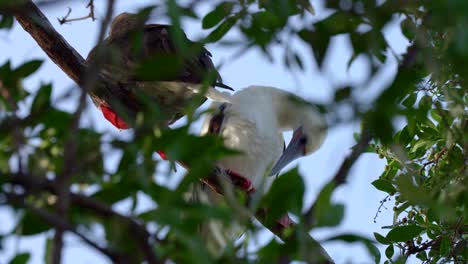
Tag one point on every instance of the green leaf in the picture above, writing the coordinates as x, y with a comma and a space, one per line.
27, 68
285, 195
219, 13
389, 251
48, 250
384, 186
326, 212
445, 246
404, 233
381, 239
6, 21
30, 224
374, 251
21, 258
422, 255
222, 29
410, 100
350, 238
342, 94
318, 43
42, 99
339, 22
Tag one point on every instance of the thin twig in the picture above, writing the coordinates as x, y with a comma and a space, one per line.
66, 19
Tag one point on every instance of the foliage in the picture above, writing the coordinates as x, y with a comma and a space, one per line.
425, 176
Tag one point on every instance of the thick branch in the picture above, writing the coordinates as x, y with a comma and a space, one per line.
54, 45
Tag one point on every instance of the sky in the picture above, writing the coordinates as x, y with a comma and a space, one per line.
251, 68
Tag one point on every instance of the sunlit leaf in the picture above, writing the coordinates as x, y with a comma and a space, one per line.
404, 233
384, 185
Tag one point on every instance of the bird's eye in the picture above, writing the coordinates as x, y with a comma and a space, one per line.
303, 140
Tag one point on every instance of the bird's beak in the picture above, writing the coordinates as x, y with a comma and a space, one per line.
295, 149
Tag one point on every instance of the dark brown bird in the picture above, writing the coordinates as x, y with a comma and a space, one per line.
158, 61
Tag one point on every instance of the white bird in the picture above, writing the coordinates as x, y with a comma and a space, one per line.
252, 121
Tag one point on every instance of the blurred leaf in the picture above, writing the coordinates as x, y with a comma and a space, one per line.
27, 68
307, 6
30, 224
159, 67
222, 29
57, 120
282, 9
48, 250
188, 12
445, 245
422, 255
413, 193
339, 22
342, 94
298, 61
350, 238
42, 99
318, 43
174, 142
277, 203
220, 12
404, 233
21, 258
326, 212
6, 21
410, 100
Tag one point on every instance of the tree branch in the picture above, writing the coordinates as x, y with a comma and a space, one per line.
57, 221
34, 183
66, 18
52, 43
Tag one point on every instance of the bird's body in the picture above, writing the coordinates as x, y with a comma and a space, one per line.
252, 121
145, 60
250, 126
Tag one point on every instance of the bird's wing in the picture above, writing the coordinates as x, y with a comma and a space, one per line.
196, 63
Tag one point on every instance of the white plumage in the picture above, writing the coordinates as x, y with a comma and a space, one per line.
252, 122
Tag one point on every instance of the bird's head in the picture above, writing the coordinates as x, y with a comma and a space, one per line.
126, 22
309, 134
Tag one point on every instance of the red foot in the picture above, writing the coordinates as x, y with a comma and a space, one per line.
241, 181
112, 117
285, 221
162, 154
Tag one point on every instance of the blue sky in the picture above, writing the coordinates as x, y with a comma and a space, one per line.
252, 68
